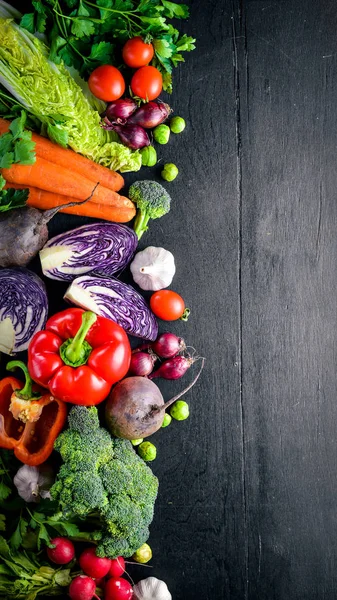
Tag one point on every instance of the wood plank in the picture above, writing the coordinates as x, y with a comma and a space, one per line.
288, 282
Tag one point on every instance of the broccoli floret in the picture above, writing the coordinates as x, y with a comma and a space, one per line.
152, 201
104, 479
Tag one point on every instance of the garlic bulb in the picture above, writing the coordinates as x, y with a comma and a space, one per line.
153, 268
151, 589
34, 483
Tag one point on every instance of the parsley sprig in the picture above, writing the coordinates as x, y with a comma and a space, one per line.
87, 33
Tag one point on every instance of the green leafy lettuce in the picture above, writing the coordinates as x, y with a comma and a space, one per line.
52, 96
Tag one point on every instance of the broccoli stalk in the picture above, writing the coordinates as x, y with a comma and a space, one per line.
152, 201
105, 484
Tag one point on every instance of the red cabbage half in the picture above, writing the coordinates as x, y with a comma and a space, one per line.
109, 297
23, 308
103, 248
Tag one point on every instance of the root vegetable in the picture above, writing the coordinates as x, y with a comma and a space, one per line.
136, 408
173, 368
63, 551
25, 232
93, 565
82, 588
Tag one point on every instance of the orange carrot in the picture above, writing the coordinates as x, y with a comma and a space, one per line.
46, 200
53, 178
64, 157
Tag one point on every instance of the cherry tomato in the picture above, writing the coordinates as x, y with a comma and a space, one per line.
118, 589
167, 305
136, 53
147, 83
106, 83
117, 567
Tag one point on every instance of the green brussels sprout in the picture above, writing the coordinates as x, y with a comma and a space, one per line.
147, 451
137, 442
167, 420
143, 554
169, 172
180, 410
149, 156
177, 124
161, 134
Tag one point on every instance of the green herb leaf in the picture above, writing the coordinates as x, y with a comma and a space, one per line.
84, 26
101, 52
16, 538
186, 43
63, 578
4, 491
163, 47
2, 523
43, 536
24, 152
10, 199
28, 22
179, 11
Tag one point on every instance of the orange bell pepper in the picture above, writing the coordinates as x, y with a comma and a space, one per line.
29, 421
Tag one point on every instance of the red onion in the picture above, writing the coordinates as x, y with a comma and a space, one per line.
168, 345
173, 368
120, 109
142, 364
150, 115
133, 136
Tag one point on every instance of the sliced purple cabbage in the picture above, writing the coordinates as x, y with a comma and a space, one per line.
109, 297
23, 308
103, 248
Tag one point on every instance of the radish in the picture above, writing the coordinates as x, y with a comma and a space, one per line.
93, 565
135, 408
63, 551
118, 589
82, 588
117, 567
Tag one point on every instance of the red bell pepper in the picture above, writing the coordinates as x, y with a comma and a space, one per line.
79, 356
29, 421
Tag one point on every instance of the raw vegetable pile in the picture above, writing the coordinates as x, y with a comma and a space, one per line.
79, 100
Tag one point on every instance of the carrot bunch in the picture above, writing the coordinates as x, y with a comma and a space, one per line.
60, 175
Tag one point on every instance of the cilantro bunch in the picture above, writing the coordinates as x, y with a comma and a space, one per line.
88, 33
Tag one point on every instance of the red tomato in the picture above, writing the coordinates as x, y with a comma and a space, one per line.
117, 567
107, 83
147, 83
118, 589
167, 305
136, 53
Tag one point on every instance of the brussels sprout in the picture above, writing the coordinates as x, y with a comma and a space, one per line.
161, 134
149, 156
167, 420
177, 124
147, 451
143, 554
180, 410
169, 172
137, 442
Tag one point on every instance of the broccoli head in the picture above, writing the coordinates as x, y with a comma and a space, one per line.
103, 478
152, 201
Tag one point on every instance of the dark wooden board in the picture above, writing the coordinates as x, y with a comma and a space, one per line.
246, 508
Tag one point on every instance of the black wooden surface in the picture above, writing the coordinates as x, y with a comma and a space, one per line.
247, 502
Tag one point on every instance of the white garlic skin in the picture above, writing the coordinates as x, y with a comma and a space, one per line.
153, 268
151, 589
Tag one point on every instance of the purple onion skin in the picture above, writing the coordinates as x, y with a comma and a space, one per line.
168, 345
133, 136
141, 364
150, 115
120, 109
173, 368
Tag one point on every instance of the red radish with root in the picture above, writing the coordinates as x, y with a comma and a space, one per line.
93, 565
82, 588
136, 408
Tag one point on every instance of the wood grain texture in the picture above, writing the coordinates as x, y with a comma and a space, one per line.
246, 508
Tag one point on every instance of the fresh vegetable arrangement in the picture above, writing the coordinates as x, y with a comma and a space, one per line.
79, 100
